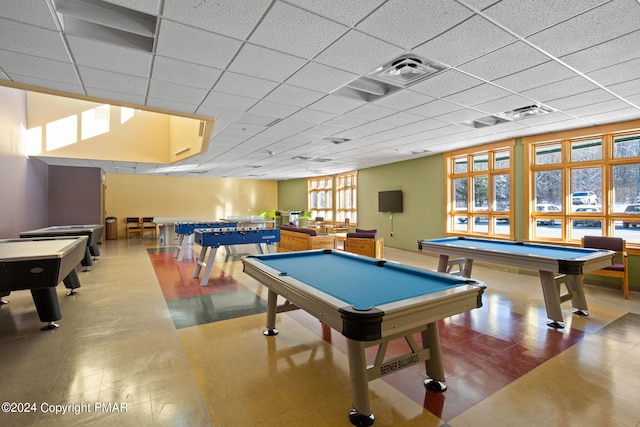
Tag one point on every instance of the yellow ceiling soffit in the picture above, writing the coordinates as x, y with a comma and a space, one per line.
155, 136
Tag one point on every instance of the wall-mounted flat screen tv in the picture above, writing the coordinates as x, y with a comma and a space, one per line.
390, 201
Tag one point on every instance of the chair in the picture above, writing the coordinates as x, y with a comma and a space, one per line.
620, 266
342, 228
133, 225
149, 225
318, 223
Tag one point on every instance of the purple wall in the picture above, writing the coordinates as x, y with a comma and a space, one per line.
23, 182
74, 195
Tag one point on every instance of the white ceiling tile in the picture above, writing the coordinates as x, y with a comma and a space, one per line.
560, 89
526, 18
127, 98
193, 45
107, 80
335, 104
507, 60
471, 39
409, 23
462, 115
370, 112
536, 76
346, 12
446, 83
265, 63
273, 109
31, 40
628, 88
345, 122
228, 17
434, 108
172, 105
292, 30
184, 73
580, 100
403, 100
618, 73
110, 57
320, 77
477, 95
229, 101
180, 93
312, 116
39, 82
238, 84
35, 12
602, 23
600, 108
358, 53
25, 65
292, 95
609, 53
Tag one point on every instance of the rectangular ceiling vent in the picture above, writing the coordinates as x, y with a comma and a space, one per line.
406, 70
366, 89
107, 22
528, 111
336, 140
483, 122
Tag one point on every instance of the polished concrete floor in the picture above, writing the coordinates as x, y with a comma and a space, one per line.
142, 344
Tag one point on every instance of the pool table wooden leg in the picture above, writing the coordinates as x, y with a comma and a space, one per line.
434, 367
361, 414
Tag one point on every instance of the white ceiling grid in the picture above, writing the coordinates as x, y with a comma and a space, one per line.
268, 70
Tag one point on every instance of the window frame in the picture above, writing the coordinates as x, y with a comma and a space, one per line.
455, 216
609, 214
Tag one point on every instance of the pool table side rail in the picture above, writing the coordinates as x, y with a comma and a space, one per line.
590, 262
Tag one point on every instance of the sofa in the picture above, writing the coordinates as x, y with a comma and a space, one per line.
294, 238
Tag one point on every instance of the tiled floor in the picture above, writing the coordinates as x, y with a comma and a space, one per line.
144, 333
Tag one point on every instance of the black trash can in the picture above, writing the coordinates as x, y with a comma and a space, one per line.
112, 228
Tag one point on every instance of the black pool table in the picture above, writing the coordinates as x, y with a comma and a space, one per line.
39, 265
92, 231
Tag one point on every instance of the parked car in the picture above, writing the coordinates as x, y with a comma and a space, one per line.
632, 209
587, 222
584, 198
545, 207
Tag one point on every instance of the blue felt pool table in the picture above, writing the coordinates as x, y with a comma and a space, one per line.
370, 302
569, 262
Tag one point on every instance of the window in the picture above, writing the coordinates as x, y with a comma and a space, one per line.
320, 197
479, 191
346, 197
584, 186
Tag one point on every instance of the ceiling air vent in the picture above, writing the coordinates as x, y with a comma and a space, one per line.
107, 22
406, 70
528, 111
336, 140
485, 121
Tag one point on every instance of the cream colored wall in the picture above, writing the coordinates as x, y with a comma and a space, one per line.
170, 196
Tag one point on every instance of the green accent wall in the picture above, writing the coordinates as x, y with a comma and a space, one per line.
292, 195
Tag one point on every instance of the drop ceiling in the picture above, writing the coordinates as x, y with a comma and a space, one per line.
273, 73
